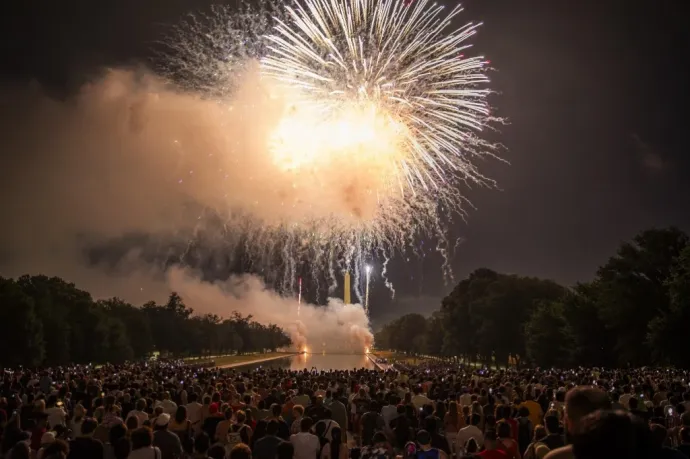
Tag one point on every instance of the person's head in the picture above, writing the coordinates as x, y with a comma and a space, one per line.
121, 448
298, 411
141, 404
607, 434
228, 414
57, 449
241, 451
659, 435
582, 401
216, 452
88, 426
539, 432
633, 403
523, 412
162, 421
20, 451
305, 424
276, 409
181, 414
202, 443
475, 419
285, 450
551, 423
132, 423
424, 438
116, 432
471, 446
141, 438
272, 427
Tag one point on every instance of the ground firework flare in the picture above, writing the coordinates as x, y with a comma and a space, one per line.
374, 120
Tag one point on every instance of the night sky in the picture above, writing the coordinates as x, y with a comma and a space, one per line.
595, 93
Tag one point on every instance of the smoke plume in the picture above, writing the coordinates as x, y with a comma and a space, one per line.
131, 155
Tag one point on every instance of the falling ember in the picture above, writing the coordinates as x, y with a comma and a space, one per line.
299, 297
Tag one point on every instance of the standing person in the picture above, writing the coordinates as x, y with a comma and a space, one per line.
168, 443
426, 451
297, 414
471, 431
370, 423
339, 412
535, 413
337, 448
140, 411
180, 425
506, 439
390, 411
306, 444
491, 448
579, 402
85, 446
451, 424
239, 432
56, 414
537, 449
266, 446
194, 412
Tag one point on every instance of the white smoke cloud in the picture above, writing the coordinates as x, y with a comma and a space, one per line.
127, 155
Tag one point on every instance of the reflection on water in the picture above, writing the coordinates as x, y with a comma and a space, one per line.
320, 361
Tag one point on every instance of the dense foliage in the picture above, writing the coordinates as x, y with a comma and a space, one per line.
49, 321
635, 311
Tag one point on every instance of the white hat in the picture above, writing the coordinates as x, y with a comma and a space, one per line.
163, 419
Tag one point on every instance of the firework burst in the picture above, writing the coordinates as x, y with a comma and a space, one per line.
377, 104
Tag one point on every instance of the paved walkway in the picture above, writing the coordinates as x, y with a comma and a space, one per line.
264, 359
380, 366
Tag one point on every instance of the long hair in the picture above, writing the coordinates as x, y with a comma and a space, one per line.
336, 441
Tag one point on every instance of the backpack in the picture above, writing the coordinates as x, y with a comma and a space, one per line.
234, 436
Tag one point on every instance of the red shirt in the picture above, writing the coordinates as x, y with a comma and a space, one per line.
493, 454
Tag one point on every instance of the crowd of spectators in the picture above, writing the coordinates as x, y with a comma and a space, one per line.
439, 410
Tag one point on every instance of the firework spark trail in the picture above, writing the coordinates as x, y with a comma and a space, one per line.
378, 104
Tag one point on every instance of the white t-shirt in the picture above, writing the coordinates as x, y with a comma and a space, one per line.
465, 434
141, 415
194, 412
389, 412
306, 445
169, 407
56, 416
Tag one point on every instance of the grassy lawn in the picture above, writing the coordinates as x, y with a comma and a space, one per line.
230, 359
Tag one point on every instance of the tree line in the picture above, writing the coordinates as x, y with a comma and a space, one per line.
636, 311
48, 321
